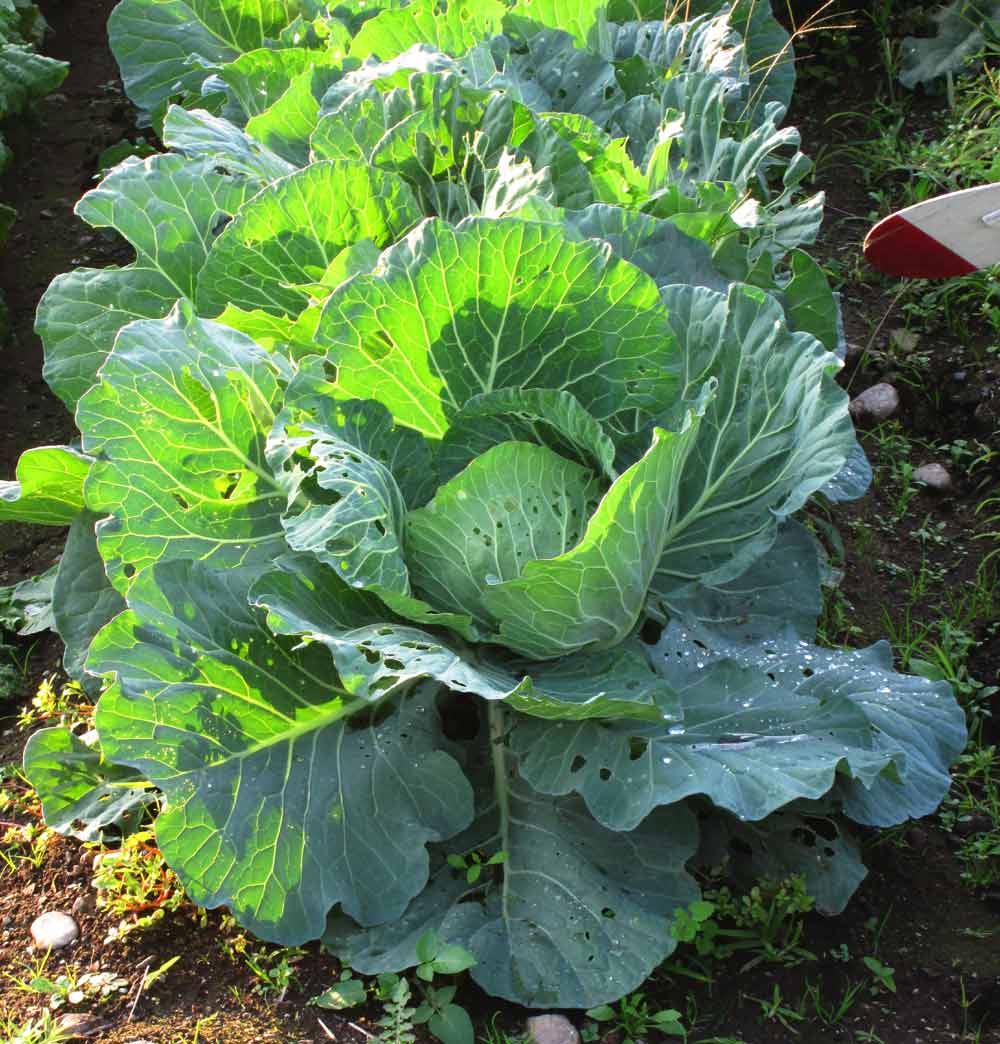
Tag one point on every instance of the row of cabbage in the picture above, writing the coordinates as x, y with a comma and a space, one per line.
439, 457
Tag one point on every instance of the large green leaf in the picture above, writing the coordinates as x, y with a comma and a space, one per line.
962, 30
200, 135
774, 433
539, 415
49, 487
750, 745
83, 600
658, 247
765, 621
79, 317
259, 78
577, 915
803, 838
283, 795
548, 73
516, 503
25, 76
287, 124
585, 20
913, 724
450, 26
591, 596
179, 421
167, 47
292, 231
376, 657
168, 208
419, 132
82, 794
456, 312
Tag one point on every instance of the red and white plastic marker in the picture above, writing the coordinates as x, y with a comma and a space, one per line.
946, 236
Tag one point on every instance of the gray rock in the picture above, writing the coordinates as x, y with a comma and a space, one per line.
77, 1025
875, 404
935, 477
552, 1029
53, 930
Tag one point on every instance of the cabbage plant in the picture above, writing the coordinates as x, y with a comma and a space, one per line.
394, 603
435, 496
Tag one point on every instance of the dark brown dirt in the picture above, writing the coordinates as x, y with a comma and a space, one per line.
940, 938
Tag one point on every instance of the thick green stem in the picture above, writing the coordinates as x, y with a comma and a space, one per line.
501, 787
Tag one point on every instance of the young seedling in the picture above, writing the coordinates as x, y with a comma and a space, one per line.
634, 1020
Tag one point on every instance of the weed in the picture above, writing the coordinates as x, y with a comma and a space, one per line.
66, 705
883, 976
347, 992
494, 1034
874, 928
472, 864
634, 1020
135, 884
768, 920
396, 1023
274, 969
41, 1030
975, 795
834, 1012
775, 1009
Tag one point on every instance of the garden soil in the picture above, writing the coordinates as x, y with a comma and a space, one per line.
913, 912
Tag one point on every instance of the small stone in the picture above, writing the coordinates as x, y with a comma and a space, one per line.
875, 404
552, 1029
53, 930
985, 416
47, 214
960, 376
77, 1024
83, 904
935, 477
853, 352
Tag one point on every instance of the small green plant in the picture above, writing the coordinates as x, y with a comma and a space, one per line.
63, 704
274, 969
494, 1034
874, 929
41, 1030
975, 797
633, 1018
883, 977
346, 992
472, 864
775, 1009
396, 1023
135, 884
437, 958
445, 1019
768, 920
833, 1012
